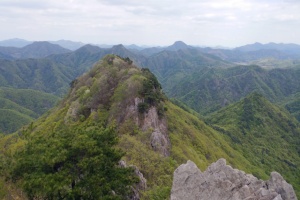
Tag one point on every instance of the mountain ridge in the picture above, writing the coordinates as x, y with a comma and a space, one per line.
212, 88
155, 134
33, 50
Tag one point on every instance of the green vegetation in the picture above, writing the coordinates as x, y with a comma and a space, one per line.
151, 93
110, 94
267, 135
210, 89
172, 67
11, 120
33, 50
271, 63
73, 163
292, 104
18, 107
35, 101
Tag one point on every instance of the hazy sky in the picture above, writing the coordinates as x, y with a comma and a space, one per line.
153, 22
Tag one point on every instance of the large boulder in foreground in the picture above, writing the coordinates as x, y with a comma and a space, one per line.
221, 181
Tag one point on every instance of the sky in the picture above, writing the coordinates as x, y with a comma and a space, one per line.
227, 23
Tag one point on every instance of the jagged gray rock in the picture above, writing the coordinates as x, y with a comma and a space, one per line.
138, 187
150, 121
221, 181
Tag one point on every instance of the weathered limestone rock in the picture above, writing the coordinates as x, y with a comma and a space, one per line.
150, 120
159, 138
221, 181
140, 186
160, 143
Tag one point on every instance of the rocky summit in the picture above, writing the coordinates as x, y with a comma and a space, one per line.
221, 181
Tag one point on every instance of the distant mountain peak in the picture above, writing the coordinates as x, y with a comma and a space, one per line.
14, 42
177, 46
42, 49
120, 50
37, 43
118, 46
90, 48
179, 43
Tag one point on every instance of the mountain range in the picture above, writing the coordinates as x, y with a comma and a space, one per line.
34, 50
19, 43
212, 81
213, 88
244, 113
156, 135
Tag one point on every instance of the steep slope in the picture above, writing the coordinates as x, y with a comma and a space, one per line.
18, 107
50, 75
213, 88
292, 104
38, 74
267, 135
171, 67
12, 120
156, 135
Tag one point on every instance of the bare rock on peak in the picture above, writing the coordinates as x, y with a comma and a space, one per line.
221, 181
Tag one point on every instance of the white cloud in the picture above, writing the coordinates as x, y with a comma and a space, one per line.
201, 22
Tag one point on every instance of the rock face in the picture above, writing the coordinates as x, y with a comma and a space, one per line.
159, 138
138, 187
150, 120
221, 181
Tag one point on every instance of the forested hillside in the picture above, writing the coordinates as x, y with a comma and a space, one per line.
19, 107
155, 135
267, 135
213, 88
116, 97
34, 50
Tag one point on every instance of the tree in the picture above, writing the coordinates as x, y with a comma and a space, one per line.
74, 163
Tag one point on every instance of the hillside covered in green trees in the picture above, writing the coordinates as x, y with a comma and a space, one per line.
267, 135
19, 107
210, 89
118, 111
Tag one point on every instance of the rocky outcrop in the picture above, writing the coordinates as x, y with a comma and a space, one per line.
221, 181
138, 187
159, 138
150, 120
